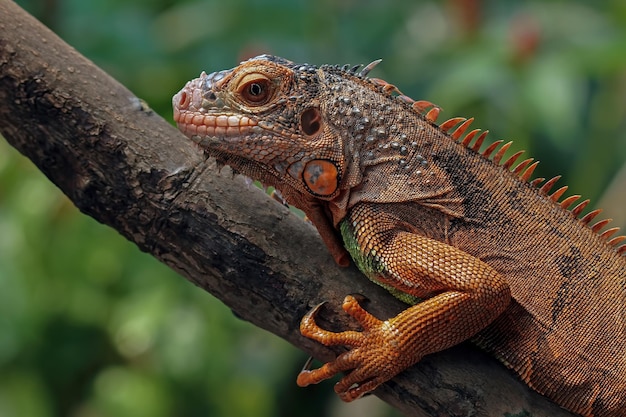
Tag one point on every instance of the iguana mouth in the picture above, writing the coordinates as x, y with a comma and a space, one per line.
200, 126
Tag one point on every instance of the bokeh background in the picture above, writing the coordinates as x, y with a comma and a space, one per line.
91, 327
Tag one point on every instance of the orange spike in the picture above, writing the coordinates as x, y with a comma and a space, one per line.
536, 182
487, 152
450, 123
520, 167
529, 172
608, 232
621, 250
545, 188
461, 129
589, 216
616, 240
406, 99
420, 106
558, 193
390, 89
596, 227
569, 201
580, 207
432, 114
479, 141
468, 138
509, 162
498, 156
378, 82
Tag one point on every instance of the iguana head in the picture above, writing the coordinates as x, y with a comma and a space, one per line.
264, 118
326, 134
301, 128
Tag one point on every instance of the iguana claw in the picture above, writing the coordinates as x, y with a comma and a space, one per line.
369, 361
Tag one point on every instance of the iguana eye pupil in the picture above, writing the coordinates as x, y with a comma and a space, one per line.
257, 91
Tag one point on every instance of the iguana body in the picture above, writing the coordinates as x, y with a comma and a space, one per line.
479, 249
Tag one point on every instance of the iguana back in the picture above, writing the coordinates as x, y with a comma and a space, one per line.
565, 331
441, 224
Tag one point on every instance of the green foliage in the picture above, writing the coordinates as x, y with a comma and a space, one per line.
89, 326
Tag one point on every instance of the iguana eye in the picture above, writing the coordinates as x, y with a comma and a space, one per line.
256, 89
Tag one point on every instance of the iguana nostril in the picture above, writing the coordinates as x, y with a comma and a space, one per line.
183, 100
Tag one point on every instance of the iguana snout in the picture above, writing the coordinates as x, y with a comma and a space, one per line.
203, 115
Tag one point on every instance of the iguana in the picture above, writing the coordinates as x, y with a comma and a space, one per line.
478, 248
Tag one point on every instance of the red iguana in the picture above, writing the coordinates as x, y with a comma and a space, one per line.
475, 246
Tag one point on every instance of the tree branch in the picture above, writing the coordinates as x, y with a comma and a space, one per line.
128, 168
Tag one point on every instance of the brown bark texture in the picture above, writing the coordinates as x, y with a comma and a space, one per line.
125, 166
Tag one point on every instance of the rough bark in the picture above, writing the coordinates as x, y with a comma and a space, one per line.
128, 168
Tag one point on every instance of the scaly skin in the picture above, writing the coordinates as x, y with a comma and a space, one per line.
477, 248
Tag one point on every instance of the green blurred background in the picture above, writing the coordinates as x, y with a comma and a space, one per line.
91, 327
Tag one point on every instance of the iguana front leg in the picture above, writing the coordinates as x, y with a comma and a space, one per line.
461, 295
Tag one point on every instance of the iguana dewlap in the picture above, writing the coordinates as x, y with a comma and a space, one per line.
478, 248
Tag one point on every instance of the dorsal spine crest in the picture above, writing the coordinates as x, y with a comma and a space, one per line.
524, 170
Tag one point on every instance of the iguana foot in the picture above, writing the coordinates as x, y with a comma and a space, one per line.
376, 355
